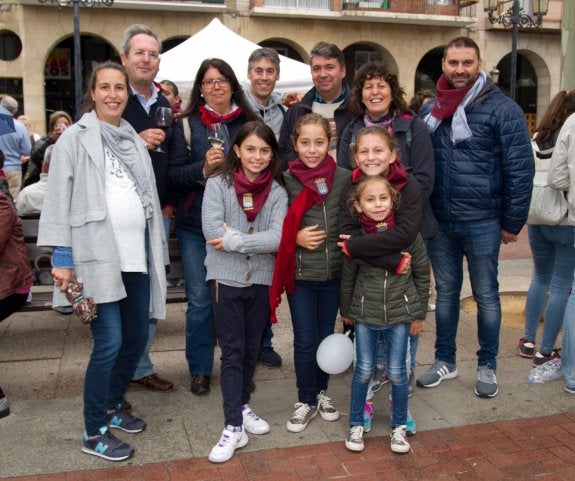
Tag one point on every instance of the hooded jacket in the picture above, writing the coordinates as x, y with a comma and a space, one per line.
272, 114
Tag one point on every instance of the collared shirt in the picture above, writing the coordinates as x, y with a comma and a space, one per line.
14, 145
147, 103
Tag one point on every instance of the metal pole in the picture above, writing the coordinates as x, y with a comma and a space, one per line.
77, 59
513, 75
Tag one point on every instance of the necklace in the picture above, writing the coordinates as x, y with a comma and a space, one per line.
116, 169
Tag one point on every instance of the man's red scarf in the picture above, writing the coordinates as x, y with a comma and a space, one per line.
447, 99
317, 185
252, 195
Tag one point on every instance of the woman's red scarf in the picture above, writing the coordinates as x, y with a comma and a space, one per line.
252, 195
447, 99
371, 226
317, 185
396, 175
209, 117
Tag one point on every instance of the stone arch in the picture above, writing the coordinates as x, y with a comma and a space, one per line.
359, 53
286, 47
59, 87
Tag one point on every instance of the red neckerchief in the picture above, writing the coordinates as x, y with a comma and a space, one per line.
447, 99
371, 226
209, 117
318, 180
284, 270
252, 195
396, 175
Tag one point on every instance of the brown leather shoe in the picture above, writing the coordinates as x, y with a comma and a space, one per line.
200, 385
153, 382
127, 405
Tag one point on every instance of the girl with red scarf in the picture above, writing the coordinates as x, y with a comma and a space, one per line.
308, 264
242, 214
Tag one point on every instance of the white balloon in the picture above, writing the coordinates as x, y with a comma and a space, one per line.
335, 353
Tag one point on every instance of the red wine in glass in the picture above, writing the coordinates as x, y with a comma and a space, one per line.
163, 117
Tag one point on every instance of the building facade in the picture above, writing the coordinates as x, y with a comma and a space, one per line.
37, 58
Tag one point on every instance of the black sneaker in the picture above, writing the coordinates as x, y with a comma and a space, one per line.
269, 357
4, 405
541, 358
526, 348
107, 446
122, 419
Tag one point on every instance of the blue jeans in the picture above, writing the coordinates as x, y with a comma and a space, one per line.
199, 318
313, 307
145, 366
240, 317
554, 262
568, 347
119, 335
479, 242
381, 353
395, 339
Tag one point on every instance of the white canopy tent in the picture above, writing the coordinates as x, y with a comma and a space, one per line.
180, 64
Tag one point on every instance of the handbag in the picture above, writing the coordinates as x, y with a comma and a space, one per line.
548, 205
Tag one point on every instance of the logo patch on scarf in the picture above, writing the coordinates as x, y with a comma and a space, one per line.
382, 226
321, 185
248, 201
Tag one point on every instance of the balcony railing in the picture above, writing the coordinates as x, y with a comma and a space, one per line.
310, 4
425, 7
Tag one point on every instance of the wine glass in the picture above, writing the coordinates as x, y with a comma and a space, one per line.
163, 117
216, 134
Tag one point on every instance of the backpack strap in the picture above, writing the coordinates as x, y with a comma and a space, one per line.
187, 133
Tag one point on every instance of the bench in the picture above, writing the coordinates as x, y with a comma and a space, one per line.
40, 263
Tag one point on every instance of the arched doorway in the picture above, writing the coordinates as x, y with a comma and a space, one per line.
428, 70
358, 54
283, 48
59, 85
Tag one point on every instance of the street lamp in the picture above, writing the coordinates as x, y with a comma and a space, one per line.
517, 17
77, 45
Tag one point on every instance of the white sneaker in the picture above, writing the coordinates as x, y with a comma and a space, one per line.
231, 439
252, 423
325, 408
399, 442
302, 415
354, 441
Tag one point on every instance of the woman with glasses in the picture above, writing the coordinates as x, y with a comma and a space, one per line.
216, 98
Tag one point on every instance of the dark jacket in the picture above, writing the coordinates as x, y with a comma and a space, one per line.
384, 248
15, 271
342, 117
186, 171
36, 158
490, 175
415, 151
140, 120
323, 263
372, 295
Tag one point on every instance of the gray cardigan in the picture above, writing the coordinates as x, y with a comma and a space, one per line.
246, 257
75, 215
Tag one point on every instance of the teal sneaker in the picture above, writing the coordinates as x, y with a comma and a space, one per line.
107, 446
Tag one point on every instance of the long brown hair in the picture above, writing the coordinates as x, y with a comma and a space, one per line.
232, 162
226, 71
561, 107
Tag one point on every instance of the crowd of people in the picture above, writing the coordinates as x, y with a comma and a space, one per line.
343, 202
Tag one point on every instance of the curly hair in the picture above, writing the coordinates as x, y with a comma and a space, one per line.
376, 70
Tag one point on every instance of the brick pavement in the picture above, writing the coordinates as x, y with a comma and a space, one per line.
541, 449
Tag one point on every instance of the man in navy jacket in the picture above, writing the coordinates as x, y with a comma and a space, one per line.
141, 59
483, 179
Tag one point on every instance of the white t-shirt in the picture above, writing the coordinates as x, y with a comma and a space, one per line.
127, 216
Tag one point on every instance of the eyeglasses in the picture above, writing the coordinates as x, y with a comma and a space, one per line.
149, 53
222, 82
